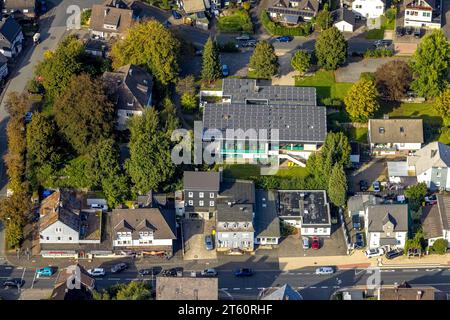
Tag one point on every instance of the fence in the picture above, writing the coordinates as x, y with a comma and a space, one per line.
345, 232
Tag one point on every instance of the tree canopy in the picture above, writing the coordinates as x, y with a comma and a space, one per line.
263, 61
13, 214
430, 64
301, 61
211, 69
337, 186
135, 290
442, 103
361, 101
416, 194
150, 44
331, 49
83, 113
323, 19
393, 79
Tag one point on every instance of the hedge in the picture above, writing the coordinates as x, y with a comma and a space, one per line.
378, 53
275, 29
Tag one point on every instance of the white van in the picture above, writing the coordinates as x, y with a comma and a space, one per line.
325, 270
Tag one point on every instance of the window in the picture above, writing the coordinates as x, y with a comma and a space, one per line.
402, 130
201, 194
438, 174
201, 203
191, 203
191, 194
59, 238
358, 6
70, 238
211, 203
129, 114
438, 183
48, 238
381, 130
58, 230
379, 7
211, 195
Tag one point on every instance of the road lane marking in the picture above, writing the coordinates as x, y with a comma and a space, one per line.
336, 287
313, 287
307, 273
34, 279
300, 288
248, 288
236, 288
324, 287
410, 270
23, 273
223, 288
114, 279
8, 268
261, 288
382, 270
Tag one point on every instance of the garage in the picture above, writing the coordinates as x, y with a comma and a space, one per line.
344, 19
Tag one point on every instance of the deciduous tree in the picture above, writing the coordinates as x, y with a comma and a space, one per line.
324, 20
301, 61
393, 79
331, 49
361, 101
442, 103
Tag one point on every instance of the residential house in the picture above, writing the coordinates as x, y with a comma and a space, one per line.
368, 9
109, 20
405, 291
293, 11
358, 204
21, 9
344, 19
201, 190
187, 288
307, 210
3, 67
267, 222
96, 48
423, 13
431, 164
143, 230
62, 220
130, 89
387, 225
73, 283
285, 292
435, 220
11, 37
195, 10
256, 121
395, 136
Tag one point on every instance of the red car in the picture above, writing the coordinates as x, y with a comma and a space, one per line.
315, 243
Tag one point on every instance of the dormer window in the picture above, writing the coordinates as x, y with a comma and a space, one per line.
402, 130
381, 130
190, 194
225, 225
201, 194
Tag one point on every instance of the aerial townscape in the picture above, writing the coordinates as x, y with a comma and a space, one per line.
251, 150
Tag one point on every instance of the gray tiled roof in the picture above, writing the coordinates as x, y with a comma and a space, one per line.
201, 181
359, 202
239, 191
267, 223
234, 213
434, 154
396, 213
9, 29
431, 222
295, 123
343, 14
396, 131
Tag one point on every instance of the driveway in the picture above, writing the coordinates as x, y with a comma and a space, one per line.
352, 71
369, 172
194, 232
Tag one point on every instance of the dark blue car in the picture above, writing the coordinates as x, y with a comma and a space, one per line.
283, 39
176, 14
243, 272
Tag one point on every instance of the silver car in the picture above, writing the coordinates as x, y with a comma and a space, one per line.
209, 243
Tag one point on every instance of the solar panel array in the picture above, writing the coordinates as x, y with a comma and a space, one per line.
292, 11
242, 90
295, 123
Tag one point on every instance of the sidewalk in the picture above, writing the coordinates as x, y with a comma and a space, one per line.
358, 260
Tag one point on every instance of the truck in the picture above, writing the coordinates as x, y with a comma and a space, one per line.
36, 38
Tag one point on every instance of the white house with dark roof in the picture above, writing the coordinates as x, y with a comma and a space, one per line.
293, 11
387, 225
258, 122
395, 136
435, 220
423, 13
130, 89
11, 37
344, 19
368, 9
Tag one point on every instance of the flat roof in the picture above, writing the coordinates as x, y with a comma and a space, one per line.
310, 205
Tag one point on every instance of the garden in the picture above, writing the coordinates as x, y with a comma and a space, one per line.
235, 20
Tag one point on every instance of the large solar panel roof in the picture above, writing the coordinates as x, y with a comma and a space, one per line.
295, 123
291, 11
242, 90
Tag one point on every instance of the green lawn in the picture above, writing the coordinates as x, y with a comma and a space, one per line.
291, 172
236, 22
375, 34
358, 134
325, 84
251, 171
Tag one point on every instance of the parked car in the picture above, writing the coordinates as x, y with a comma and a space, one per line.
152, 271
28, 116
325, 270
169, 272
119, 267
400, 31
305, 242
243, 272
249, 43
356, 222
409, 30
176, 15
394, 254
13, 283
430, 200
97, 272
225, 70
359, 243
363, 186
45, 272
315, 243
209, 273
374, 252
382, 43
209, 243
99, 206
417, 33
283, 39
376, 186
243, 37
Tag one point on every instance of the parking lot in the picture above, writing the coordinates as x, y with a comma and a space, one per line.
194, 232
372, 171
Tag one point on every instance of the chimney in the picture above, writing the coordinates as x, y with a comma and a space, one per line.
385, 116
419, 295
220, 173
106, 11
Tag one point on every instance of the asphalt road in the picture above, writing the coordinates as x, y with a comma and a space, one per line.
266, 274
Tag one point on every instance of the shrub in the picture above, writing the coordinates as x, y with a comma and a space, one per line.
33, 86
85, 16
439, 246
188, 102
332, 102
367, 76
287, 230
378, 53
304, 29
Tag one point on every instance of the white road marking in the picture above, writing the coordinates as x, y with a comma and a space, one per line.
261, 288
223, 288
8, 268
313, 287
307, 273
382, 270
23, 273
300, 288
336, 287
236, 288
34, 279
248, 288
114, 279
410, 270
324, 287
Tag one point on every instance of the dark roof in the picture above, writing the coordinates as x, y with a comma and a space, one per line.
234, 212
95, 45
294, 123
9, 29
311, 205
162, 222
379, 215
286, 292
187, 288
130, 87
3, 60
241, 90
417, 293
396, 130
201, 180
267, 223
305, 8
436, 218
343, 14
237, 191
